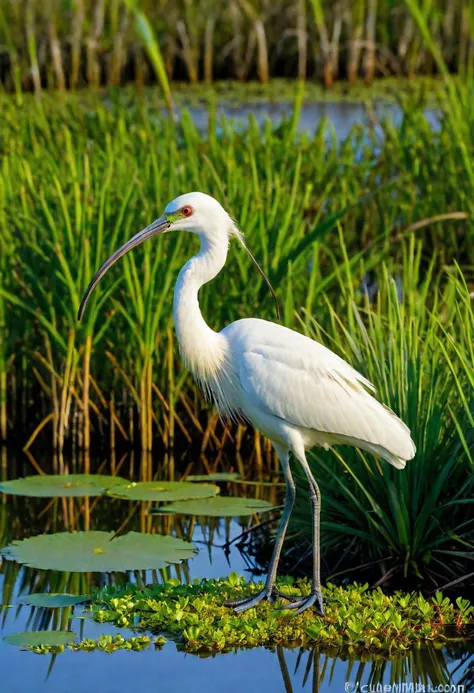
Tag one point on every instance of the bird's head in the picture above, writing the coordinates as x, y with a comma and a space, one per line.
195, 212
200, 214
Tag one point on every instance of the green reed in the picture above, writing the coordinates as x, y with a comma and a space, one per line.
92, 42
76, 180
417, 349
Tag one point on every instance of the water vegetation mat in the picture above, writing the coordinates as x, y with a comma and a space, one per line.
358, 621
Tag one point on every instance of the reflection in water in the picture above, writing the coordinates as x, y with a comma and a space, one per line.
428, 667
222, 550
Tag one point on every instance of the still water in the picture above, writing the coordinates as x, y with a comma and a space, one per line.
169, 670
340, 117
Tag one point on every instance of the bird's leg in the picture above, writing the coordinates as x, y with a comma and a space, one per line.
315, 597
269, 592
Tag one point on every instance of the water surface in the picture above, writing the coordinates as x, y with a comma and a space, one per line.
340, 117
253, 671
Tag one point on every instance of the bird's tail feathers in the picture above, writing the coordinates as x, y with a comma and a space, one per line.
379, 451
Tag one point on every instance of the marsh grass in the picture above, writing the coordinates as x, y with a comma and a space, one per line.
417, 350
51, 45
76, 181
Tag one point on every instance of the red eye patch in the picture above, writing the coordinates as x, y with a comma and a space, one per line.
187, 211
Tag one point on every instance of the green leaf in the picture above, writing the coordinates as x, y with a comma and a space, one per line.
107, 615
217, 507
164, 491
59, 485
36, 638
95, 551
145, 31
215, 476
54, 601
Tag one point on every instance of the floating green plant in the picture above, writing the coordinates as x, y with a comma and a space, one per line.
357, 620
163, 491
105, 643
99, 551
40, 638
221, 506
53, 601
59, 485
214, 476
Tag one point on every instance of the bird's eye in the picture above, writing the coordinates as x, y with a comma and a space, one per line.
187, 211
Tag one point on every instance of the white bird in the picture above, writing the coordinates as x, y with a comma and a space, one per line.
294, 390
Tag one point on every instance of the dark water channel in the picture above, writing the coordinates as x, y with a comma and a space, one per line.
253, 671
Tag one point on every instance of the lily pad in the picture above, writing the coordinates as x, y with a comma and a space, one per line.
215, 476
217, 507
273, 484
164, 491
54, 601
36, 638
85, 552
59, 485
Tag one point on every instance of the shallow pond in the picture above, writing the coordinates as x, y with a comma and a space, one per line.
170, 670
340, 117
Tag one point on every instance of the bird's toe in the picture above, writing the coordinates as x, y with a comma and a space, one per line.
244, 603
252, 601
277, 594
297, 602
303, 603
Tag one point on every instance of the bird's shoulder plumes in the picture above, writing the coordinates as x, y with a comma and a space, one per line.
235, 231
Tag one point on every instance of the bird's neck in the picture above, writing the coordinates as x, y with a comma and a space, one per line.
202, 349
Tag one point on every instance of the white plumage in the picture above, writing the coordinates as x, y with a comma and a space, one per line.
296, 391
301, 386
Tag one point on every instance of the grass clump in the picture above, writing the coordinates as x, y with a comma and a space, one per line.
414, 343
358, 621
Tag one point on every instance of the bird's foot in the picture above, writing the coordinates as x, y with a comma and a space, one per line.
304, 602
267, 594
283, 595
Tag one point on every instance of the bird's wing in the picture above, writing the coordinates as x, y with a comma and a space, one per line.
308, 385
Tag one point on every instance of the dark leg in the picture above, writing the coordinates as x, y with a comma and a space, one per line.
315, 497
269, 592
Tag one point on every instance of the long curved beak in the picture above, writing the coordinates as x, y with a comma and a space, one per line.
159, 226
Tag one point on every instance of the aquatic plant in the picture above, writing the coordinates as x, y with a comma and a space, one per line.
163, 491
62, 485
55, 642
44, 638
357, 619
53, 601
99, 551
221, 506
